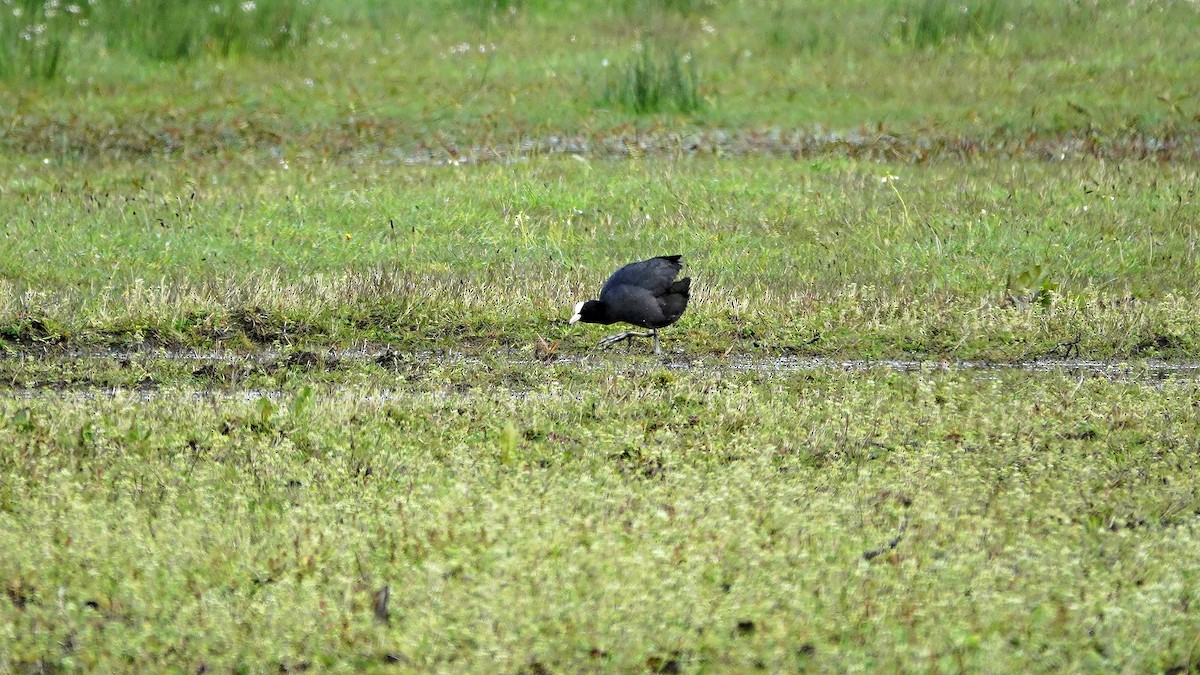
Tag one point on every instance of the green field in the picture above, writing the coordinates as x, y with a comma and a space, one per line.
287, 383
616, 517
997, 261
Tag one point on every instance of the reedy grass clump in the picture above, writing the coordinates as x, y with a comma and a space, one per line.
183, 30
931, 23
36, 35
653, 82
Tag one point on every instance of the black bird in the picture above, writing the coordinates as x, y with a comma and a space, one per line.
643, 294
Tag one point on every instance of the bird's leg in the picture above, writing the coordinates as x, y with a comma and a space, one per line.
613, 339
657, 350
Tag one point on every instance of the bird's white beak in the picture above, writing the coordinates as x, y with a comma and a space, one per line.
576, 316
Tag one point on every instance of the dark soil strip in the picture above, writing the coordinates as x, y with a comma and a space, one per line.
381, 142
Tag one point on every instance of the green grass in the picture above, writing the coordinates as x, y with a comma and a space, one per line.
33, 37
932, 23
41, 40
397, 74
179, 31
616, 518
286, 381
651, 83
982, 260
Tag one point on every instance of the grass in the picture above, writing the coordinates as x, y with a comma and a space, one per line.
649, 83
33, 37
932, 23
394, 74
179, 31
626, 518
37, 38
838, 257
286, 381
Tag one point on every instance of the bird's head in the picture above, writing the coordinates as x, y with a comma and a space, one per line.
592, 311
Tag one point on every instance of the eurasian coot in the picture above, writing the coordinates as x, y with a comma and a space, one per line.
644, 294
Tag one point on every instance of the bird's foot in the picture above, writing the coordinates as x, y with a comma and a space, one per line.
614, 339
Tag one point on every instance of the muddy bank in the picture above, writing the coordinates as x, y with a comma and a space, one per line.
381, 142
375, 373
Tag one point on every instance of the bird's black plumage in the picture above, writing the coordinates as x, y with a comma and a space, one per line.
643, 294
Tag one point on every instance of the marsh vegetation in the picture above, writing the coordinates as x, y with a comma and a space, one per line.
287, 380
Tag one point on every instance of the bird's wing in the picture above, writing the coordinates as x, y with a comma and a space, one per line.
654, 275
634, 305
